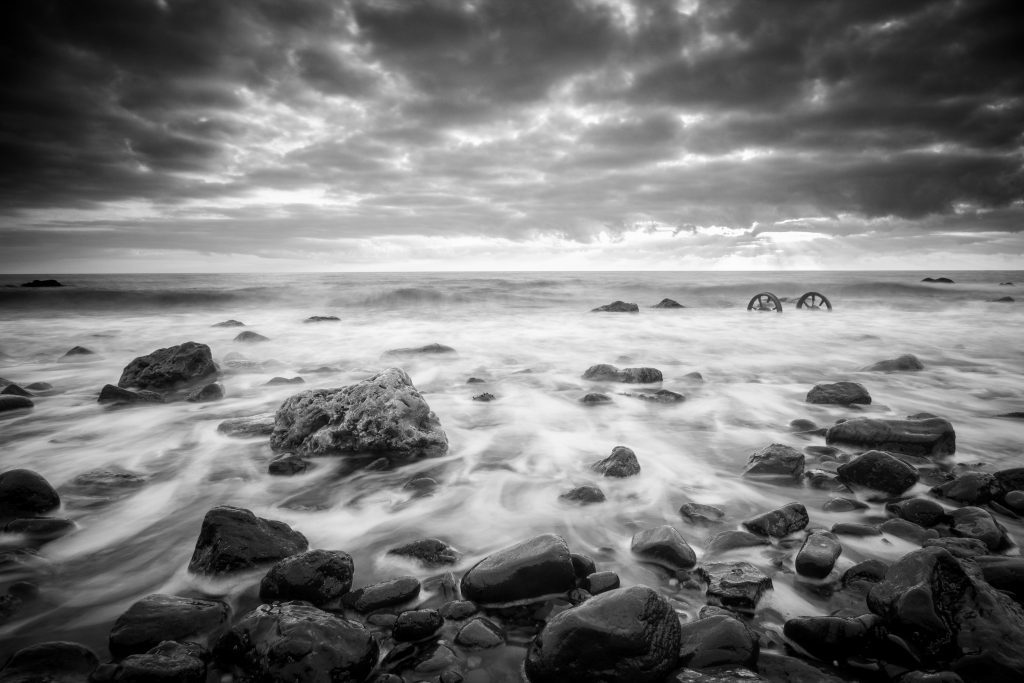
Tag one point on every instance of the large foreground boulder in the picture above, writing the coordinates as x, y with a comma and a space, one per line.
384, 414
930, 437
840, 393
170, 368
294, 641
951, 617
158, 617
627, 635
233, 539
532, 569
24, 493
51, 662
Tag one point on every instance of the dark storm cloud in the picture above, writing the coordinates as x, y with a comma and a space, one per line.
504, 117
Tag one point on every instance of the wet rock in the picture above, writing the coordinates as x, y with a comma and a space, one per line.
40, 529
776, 461
628, 635
840, 393
974, 522
780, 668
855, 529
616, 307
246, 427
102, 485
439, 660
879, 471
844, 505
293, 641
210, 392
940, 280
698, 513
319, 577
458, 610
228, 323
42, 283
601, 582
595, 399
870, 571
110, 394
413, 625
972, 488
1005, 574
951, 617
530, 569
384, 414
929, 437
8, 403
322, 319
818, 555
610, 373
14, 390
734, 584
663, 546
476, 380
660, 396
905, 363
802, 425
250, 337
288, 465
278, 381
733, 539
960, 548
921, 511
75, 354
158, 617
582, 565
234, 539
24, 493
833, 638
668, 303
50, 662
484, 397
421, 486
908, 531
169, 368
583, 495
39, 386
824, 480
717, 641
427, 350
621, 463
779, 522
480, 634
168, 662
384, 594
430, 552
1002, 300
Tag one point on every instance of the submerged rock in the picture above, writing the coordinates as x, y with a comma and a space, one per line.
621, 463
779, 522
76, 353
610, 373
159, 617
429, 552
905, 363
616, 307
776, 461
234, 539
288, 464
50, 662
293, 641
384, 414
42, 283
663, 546
244, 427
731, 539
8, 402
170, 368
879, 471
322, 319
840, 393
668, 303
205, 394
317, 576
929, 437
698, 513
427, 350
229, 323
276, 381
118, 396
102, 485
24, 493
583, 495
734, 584
595, 399
627, 635
531, 569
15, 390
659, 396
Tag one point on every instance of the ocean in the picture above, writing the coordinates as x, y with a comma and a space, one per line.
530, 336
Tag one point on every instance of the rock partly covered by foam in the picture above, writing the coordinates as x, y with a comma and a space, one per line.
112, 395
294, 641
159, 617
170, 368
609, 373
243, 427
12, 402
627, 635
533, 568
839, 393
621, 463
664, 546
905, 363
776, 461
24, 493
931, 436
880, 471
384, 414
434, 349
616, 307
668, 303
233, 539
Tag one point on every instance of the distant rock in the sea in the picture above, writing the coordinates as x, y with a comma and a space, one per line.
609, 373
170, 368
76, 353
8, 402
1002, 300
905, 363
840, 393
939, 280
427, 350
476, 380
42, 283
668, 303
275, 381
249, 337
229, 323
1006, 284
659, 396
616, 307
486, 397
320, 370
322, 319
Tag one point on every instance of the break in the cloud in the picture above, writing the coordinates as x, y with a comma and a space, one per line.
441, 134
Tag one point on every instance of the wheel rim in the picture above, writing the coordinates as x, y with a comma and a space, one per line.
765, 301
814, 301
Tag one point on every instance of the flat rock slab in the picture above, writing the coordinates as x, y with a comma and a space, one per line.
930, 437
779, 522
840, 393
246, 427
169, 368
734, 584
234, 539
532, 569
159, 617
609, 373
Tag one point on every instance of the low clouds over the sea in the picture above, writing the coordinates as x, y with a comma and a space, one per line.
530, 133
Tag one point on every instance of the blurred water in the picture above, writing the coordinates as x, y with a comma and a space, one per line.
531, 335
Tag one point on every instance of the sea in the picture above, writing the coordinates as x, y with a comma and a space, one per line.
530, 336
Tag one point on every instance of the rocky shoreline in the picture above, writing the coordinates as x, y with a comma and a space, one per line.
951, 609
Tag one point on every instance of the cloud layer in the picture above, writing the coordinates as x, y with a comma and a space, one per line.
581, 133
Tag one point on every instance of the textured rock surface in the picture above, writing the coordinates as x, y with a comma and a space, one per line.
158, 617
384, 414
51, 662
734, 584
880, 471
233, 539
621, 463
316, 576
531, 569
776, 461
663, 546
430, 552
116, 395
668, 303
384, 594
169, 368
818, 555
168, 662
932, 436
244, 427
779, 522
583, 495
840, 393
610, 373
716, 641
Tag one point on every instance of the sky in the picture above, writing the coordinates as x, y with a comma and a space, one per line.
333, 135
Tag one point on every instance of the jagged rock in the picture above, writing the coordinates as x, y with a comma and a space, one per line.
716, 641
480, 634
668, 303
9, 402
905, 363
531, 569
974, 522
951, 617
319, 577
734, 584
818, 555
929, 437
169, 368
698, 513
293, 641
595, 399
879, 471
601, 582
779, 522
229, 323
322, 319
621, 463
50, 662
384, 414
430, 552
210, 392
245, 427
921, 511
616, 307
413, 625
840, 393
24, 493
158, 617
384, 594
233, 539
776, 461
428, 350
972, 488
663, 546
627, 634
250, 337
118, 396
583, 495
610, 373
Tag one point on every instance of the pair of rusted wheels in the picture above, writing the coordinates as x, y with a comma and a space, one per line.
766, 301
